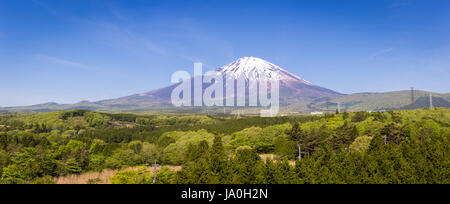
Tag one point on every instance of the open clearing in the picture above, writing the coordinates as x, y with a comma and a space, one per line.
99, 177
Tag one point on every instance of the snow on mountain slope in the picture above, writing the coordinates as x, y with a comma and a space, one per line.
252, 67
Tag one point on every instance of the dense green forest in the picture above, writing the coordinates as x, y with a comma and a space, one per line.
383, 147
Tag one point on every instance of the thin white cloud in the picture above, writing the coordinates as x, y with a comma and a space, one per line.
66, 16
398, 4
116, 13
45, 6
381, 52
154, 47
118, 35
64, 62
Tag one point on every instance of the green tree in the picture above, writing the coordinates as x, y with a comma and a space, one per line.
296, 133
136, 146
195, 152
359, 117
13, 174
218, 162
392, 133
139, 176
286, 148
345, 115
4, 160
247, 167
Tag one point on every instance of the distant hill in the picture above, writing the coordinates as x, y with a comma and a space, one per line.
353, 102
424, 102
382, 101
293, 89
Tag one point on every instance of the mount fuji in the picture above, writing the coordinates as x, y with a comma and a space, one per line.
293, 89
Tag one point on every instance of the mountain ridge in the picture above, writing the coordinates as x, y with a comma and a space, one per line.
295, 93
292, 87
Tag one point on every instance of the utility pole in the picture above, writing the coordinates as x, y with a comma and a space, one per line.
339, 107
385, 140
299, 152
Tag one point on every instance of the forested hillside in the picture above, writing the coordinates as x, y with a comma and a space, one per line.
383, 147
396, 100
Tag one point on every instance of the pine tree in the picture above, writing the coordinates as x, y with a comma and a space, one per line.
295, 133
217, 162
393, 133
247, 165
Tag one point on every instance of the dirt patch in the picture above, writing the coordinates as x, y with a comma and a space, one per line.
122, 124
274, 158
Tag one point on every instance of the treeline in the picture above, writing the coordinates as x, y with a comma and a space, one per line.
399, 152
392, 157
28, 159
390, 147
416, 160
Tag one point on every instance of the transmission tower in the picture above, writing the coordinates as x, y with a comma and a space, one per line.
155, 165
238, 113
431, 101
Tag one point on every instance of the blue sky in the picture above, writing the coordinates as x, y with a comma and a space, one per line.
68, 51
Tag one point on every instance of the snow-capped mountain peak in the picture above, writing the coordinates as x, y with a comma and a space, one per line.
251, 67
